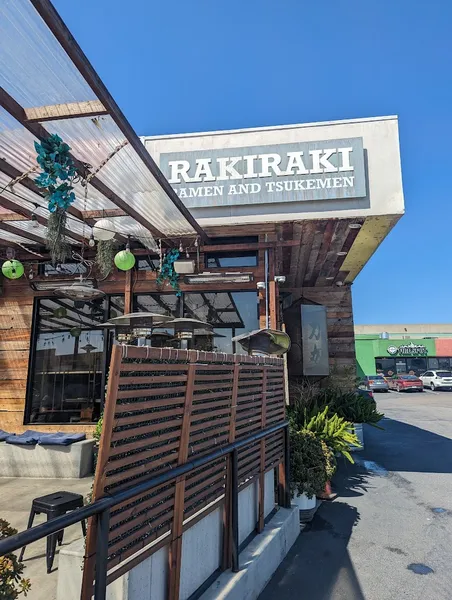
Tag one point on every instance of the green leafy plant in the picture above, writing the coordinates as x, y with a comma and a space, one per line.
308, 400
167, 271
312, 463
358, 409
335, 431
98, 430
12, 584
105, 257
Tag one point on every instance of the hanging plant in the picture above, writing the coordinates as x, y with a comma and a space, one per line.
58, 174
57, 244
167, 272
104, 257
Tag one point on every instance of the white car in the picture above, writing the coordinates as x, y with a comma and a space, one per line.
436, 380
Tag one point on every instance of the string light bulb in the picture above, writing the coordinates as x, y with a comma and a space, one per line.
128, 244
181, 248
30, 273
92, 241
187, 253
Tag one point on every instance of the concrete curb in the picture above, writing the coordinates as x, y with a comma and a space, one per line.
259, 560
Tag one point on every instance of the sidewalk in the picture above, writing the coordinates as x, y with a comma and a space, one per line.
388, 535
16, 495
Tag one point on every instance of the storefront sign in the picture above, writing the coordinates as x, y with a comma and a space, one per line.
408, 350
315, 340
301, 171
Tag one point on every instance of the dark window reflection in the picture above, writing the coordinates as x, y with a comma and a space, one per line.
71, 353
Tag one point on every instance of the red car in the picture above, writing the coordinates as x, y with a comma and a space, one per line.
406, 383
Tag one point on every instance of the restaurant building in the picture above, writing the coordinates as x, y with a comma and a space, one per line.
274, 224
402, 349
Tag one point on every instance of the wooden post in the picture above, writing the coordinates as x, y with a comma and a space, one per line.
175, 547
261, 517
226, 561
128, 296
101, 467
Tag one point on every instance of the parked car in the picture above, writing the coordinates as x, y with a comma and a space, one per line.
368, 394
376, 383
406, 383
437, 380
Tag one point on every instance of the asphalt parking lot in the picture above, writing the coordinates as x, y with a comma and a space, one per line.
388, 535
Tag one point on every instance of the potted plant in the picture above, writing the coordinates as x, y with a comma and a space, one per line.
311, 466
11, 581
358, 410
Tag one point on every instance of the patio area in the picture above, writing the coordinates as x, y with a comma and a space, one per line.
16, 495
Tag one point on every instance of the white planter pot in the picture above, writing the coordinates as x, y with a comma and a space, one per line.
307, 507
303, 502
359, 432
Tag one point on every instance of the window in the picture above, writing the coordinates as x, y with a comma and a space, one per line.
443, 363
386, 365
416, 366
231, 313
70, 354
433, 363
230, 259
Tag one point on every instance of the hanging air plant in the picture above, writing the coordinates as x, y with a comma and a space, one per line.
167, 272
58, 174
57, 244
104, 257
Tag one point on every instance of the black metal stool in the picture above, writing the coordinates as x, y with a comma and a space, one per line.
54, 505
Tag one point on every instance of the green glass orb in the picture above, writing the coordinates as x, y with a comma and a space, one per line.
12, 269
124, 260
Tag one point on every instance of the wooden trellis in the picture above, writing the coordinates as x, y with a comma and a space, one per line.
164, 407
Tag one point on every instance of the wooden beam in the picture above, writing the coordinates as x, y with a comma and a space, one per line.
10, 205
16, 111
128, 293
103, 214
28, 183
25, 234
57, 26
72, 110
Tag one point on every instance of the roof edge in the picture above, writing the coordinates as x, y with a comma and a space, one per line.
268, 128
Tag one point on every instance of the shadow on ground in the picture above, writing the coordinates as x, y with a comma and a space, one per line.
318, 566
403, 447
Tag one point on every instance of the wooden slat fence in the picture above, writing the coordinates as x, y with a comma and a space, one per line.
164, 406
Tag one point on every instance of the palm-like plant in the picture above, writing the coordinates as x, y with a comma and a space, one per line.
335, 431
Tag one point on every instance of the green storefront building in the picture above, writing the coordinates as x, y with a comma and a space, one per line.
399, 349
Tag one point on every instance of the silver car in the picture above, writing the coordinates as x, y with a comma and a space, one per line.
375, 383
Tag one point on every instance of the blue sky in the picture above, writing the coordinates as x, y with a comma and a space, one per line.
198, 65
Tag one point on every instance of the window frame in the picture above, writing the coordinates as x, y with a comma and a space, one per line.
34, 333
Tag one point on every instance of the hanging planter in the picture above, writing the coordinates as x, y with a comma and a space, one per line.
57, 244
58, 174
104, 257
125, 260
167, 271
12, 269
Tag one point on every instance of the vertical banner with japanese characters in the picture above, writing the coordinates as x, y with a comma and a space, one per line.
315, 340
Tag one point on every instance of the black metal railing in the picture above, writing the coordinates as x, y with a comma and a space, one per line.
101, 508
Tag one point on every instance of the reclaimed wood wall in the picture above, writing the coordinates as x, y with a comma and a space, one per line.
16, 310
341, 337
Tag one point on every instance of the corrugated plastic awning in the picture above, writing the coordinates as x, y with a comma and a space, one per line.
49, 86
